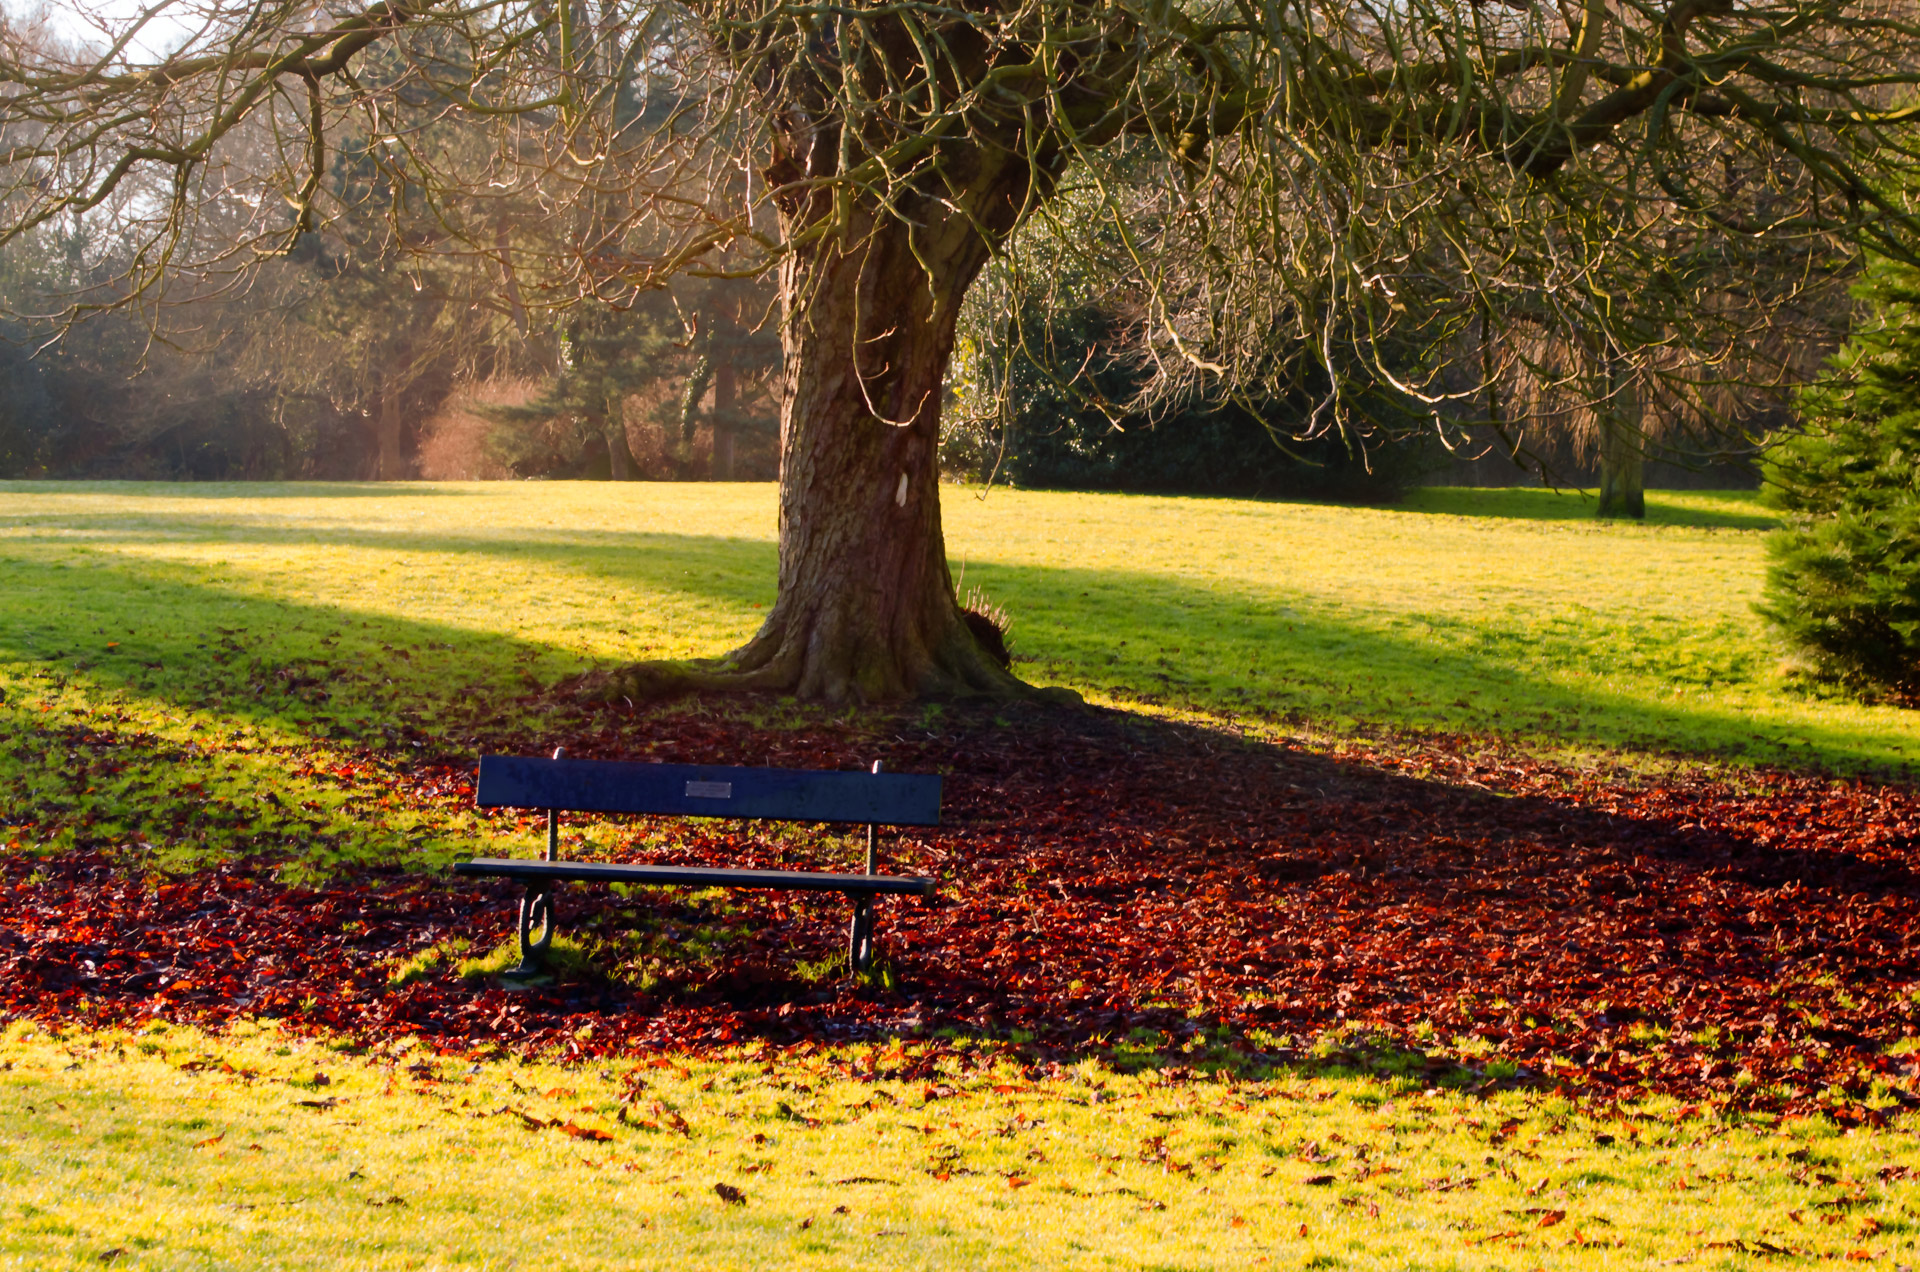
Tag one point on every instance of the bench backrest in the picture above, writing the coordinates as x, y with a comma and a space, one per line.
703, 790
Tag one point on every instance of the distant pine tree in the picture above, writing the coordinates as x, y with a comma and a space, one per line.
1843, 579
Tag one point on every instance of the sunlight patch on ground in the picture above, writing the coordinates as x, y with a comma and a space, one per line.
180, 1150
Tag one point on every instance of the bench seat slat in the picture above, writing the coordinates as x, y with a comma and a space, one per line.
708, 790
692, 876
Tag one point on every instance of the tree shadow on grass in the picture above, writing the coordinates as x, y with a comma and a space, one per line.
1727, 510
237, 490
1134, 634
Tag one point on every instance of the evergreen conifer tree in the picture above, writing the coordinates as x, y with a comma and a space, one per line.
1843, 578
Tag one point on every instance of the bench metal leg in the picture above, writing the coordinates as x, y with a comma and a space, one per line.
536, 909
860, 934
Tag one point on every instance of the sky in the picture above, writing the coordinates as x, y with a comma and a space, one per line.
87, 21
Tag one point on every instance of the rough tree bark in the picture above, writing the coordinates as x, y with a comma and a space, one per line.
865, 609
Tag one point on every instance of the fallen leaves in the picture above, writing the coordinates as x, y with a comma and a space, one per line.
1755, 1246
1730, 941
729, 1194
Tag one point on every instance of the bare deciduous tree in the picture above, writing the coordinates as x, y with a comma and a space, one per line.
1277, 174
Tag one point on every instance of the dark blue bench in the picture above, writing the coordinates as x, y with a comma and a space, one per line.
559, 785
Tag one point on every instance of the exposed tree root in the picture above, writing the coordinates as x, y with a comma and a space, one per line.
960, 669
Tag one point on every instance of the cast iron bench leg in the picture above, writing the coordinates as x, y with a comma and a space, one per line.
860, 934
536, 907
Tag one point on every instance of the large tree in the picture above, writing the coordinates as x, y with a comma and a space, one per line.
1316, 170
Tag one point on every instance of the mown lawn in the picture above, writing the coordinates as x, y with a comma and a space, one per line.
1500, 611
189, 674
252, 1149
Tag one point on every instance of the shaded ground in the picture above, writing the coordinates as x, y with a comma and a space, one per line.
1108, 882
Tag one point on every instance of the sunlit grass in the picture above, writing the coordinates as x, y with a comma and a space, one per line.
1494, 611
1500, 611
188, 673
251, 1150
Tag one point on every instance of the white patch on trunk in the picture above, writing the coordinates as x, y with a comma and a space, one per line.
900, 495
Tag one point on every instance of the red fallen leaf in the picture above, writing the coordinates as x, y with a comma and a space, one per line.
585, 1132
1302, 1232
1552, 1218
729, 1194
210, 1141
1317, 1181
1238, 1222
1018, 1181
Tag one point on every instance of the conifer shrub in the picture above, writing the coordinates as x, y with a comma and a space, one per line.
1843, 577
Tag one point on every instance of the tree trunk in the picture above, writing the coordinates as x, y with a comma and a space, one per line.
865, 609
869, 300
614, 426
1623, 455
724, 393
389, 464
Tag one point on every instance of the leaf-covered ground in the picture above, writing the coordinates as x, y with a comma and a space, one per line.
1108, 886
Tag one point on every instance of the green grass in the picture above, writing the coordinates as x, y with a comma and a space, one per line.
423, 608
256, 1149
187, 673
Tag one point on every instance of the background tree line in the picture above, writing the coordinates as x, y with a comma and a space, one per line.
349, 367
348, 360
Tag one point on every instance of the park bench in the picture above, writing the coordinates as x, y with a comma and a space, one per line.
558, 785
